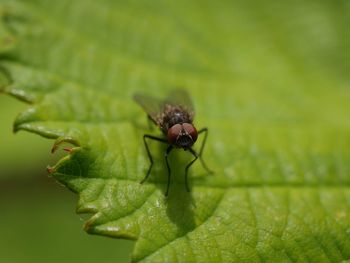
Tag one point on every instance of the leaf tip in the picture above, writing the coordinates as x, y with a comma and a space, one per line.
61, 140
50, 169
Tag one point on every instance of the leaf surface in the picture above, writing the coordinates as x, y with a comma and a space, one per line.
270, 81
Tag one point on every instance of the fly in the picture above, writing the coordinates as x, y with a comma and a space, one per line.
174, 116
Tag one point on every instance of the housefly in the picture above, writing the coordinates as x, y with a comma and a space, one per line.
174, 116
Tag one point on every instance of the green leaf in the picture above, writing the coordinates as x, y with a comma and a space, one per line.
270, 81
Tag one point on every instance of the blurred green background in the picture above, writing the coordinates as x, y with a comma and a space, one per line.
37, 219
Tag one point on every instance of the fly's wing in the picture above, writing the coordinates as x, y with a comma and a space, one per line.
151, 105
180, 97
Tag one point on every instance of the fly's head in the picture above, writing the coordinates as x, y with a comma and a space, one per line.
182, 135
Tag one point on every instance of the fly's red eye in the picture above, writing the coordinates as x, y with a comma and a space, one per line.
173, 133
191, 130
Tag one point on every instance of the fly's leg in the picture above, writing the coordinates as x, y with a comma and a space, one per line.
188, 166
146, 136
205, 131
167, 152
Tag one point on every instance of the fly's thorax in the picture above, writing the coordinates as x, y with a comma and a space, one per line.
182, 135
172, 115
